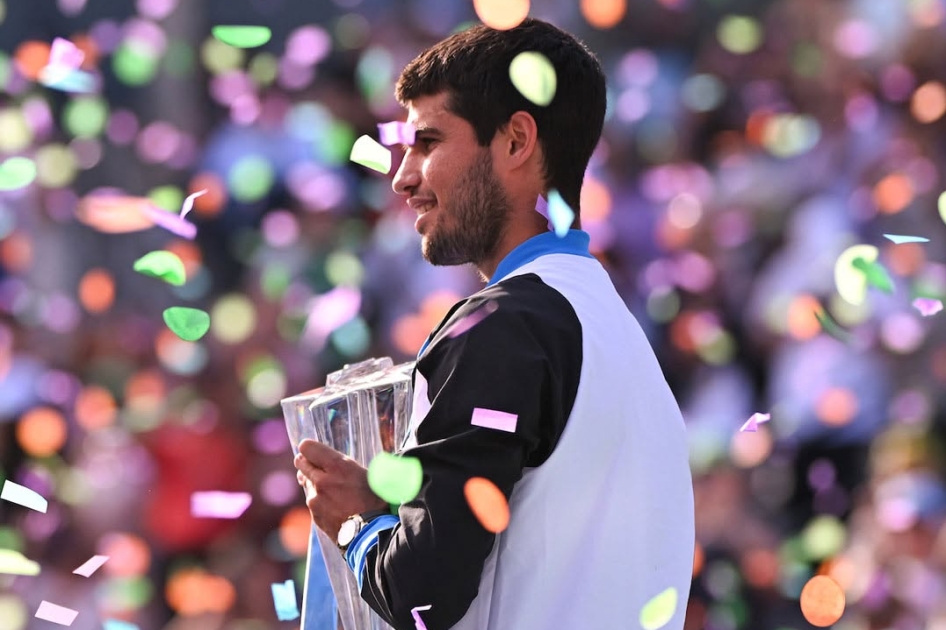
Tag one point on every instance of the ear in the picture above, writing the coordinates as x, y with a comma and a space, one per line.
519, 140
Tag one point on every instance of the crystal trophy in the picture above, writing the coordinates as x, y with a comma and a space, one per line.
362, 409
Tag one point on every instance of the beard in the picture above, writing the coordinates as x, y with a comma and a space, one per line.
477, 218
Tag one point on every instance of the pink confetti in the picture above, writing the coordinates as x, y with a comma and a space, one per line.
418, 622
176, 223
329, 311
472, 319
396, 132
91, 566
752, 424
171, 222
65, 54
57, 614
62, 70
219, 504
927, 306
542, 207
492, 419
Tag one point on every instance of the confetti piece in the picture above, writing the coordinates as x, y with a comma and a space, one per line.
822, 601
62, 71
560, 214
17, 172
660, 610
219, 504
542, 207
14, 563
91, 565
415, 613
171, 222
57, 614
831, 327
488, 504
21, 495
77, 81
875, 273
492, 419
395, 479
474, 318
284, 597
534, 76
188, 204
163, 265
941, 206
752, 424
927, 306
114, 624
899, 240
64, 54
391, 133
115, 214
850, 281
190, 324
501, 14
369, 153
242, 36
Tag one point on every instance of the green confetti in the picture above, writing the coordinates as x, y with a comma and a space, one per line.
534, 76
190, 324
368, 152
242, 36
660, 610
395, 479
17, 172
14, 563
831, 327
875, 273
163, 265
850, 281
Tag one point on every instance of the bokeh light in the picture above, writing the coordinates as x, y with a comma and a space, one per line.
41, 431
97, 290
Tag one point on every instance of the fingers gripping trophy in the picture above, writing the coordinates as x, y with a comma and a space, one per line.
363, 409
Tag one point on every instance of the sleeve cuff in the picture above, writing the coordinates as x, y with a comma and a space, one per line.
357, 553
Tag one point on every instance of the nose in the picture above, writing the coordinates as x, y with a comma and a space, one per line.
407, 177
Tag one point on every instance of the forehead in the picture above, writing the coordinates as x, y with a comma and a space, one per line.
431, 111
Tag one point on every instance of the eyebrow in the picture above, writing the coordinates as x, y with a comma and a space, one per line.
425, 131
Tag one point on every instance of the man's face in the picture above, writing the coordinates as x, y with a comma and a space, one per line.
449, 180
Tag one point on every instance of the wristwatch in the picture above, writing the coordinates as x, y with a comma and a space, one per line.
353, 525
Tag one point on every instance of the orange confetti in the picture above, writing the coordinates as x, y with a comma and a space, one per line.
115, 214
488, 504
31, 57
604, 13
501, 14
836, 406
41, 431
822, 601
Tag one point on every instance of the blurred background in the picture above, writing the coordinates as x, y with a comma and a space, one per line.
748, 143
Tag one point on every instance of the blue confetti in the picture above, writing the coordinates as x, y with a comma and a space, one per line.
560, 214
284, 596
114, 624
899, 240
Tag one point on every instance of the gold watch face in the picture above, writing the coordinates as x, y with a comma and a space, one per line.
346, 533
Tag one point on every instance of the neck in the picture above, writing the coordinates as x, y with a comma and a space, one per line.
515, 234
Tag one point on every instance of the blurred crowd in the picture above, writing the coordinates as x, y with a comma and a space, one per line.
747, 144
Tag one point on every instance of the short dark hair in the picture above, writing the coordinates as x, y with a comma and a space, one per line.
472, 67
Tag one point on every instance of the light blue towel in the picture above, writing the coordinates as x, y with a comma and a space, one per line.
320, 608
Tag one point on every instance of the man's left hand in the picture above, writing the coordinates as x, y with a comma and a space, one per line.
336, 486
